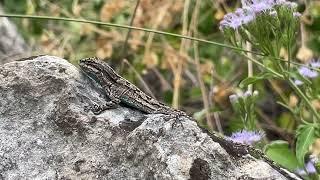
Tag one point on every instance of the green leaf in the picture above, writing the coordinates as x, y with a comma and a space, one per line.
254, 79
199, 115
296, 75
305, 137
285, 121
15, 7
280, 152
286, 106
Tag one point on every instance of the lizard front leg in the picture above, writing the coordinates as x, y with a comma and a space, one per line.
177, 117
113, 103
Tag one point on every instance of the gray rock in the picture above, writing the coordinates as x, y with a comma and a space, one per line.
47, 131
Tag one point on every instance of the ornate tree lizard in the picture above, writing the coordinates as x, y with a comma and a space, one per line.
119, 90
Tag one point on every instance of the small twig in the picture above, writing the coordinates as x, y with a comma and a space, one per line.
128, 27
158, 21
250, 66
218, 122
148, 30
164, 83
302, 25
178, 71
145, 86
197, 62
279, 91
192, 78
125, 44
272, 125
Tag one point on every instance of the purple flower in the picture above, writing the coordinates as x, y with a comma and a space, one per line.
277, 2
257, 6
273, 13
291, 5
260, 7
251, 2
309, 167
263, 5
251, 9
314, 158
315, 63
233, 98
247, 94
307, 72
296, 14
247, 137
236, 19
266, 2
298, 82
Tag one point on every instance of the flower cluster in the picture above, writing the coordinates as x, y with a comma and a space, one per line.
236, 19
307, 72
266, 24
247, 137
243, 105
309, 167
251, 9
234, 97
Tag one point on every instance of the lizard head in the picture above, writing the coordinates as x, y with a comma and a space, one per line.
97, 69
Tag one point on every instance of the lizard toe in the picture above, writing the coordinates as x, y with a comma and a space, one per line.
96, 109
177, 122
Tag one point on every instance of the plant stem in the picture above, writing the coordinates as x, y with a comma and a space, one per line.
144, 29
305, 98
289, 53
250, 66
125, 44
127, 27
262, 65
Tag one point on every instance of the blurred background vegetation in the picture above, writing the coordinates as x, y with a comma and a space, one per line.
185, 74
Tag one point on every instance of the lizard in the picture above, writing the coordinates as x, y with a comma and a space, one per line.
120, 90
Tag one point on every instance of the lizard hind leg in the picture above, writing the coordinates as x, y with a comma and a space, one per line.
98, 109
177, 120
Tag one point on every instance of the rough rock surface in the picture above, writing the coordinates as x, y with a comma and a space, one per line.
12, 45
48, 132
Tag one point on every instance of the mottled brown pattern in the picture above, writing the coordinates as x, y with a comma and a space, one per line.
119, 90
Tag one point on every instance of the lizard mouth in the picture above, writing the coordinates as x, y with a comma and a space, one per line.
88, 60
95, 67
89, 66
89, 63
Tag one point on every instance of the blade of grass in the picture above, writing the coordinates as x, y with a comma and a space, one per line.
178, 66
125, 44
206, 104
147, 30
126, 27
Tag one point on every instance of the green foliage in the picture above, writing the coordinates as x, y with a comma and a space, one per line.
244, 105
18, 7
280, 152
269, 31
254, 79
285, 121
306, 134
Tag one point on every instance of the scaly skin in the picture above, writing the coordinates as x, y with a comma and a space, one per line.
119, 90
